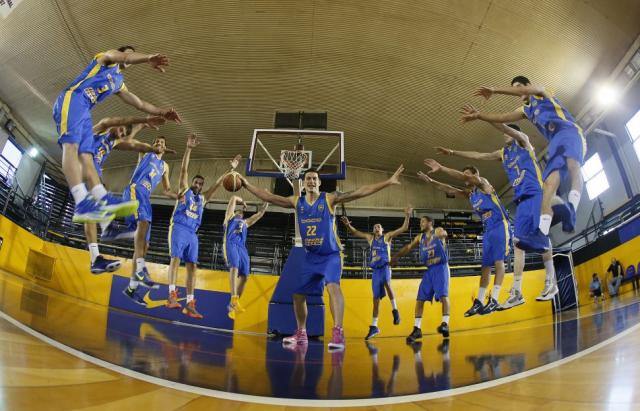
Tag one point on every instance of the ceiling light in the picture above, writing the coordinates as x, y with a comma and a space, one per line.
33, 152
607, 94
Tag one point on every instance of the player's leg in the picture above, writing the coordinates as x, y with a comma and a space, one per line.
174, 265
441, 293
99, 264
550, 284
443, 328
575, 174
485, 277
336, 303
301, 313
139, 273
549, 190
392, 297
190, 307
492, 302
242, 282
373, 328
515, 294
416, 333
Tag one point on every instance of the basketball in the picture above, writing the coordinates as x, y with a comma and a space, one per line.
232, 182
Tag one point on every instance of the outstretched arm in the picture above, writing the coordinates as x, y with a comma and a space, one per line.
520, 137
366, 190
192, 142
157, 61
264, 195
405, 250
135, 101
257, 216
108, 122
231, 207
458, 175
354, 231
208, 195
404, 227
166, 184
529, 90
451, 190
473, 155
493, 117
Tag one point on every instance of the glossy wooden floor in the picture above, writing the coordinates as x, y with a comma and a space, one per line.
36, 376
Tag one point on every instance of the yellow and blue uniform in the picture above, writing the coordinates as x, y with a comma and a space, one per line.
185, 221
379, 263
146, 177
496, 238
557, 125
235, 245
102, 145
323, 258
435, 280
526, 179
72, 109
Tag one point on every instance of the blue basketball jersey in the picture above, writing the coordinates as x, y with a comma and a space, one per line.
188, 210
379, 252
235, 231
548, 115
317, 226
432, 251
149, 171
102, 146
97, 82
488, 207
523, 171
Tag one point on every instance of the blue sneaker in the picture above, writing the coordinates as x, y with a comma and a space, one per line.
535, 243
373, 331
91, 211
144, 279
134, 296
115, 232
104, 265
564, 213
119, 207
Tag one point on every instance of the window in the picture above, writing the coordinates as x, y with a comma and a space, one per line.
633, 128
9, 160
594, 176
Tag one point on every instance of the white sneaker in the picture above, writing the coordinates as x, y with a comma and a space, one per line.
550, 291
515, 299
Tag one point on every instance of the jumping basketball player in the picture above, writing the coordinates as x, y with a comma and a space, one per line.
567, 145
72, 114
323, 260
235, 250
519, 162
435, 280
496, 237
380, 245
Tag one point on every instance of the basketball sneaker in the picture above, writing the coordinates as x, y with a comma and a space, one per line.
337, 339
172, 301
489, 307
443, 329
115, 232
415, 335
235, 302
373, 331
119, 207
134, 296
515, 299
475, 308
299, 338
190, 310
396, 317
104, 265
231, 312
91, 211
549, 292
144, 279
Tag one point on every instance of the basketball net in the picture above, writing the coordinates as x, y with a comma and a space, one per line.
292, 163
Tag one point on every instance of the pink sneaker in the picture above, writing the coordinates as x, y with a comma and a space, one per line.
300, 337
337, 340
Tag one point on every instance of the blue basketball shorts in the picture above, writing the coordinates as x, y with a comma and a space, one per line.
435, 283
568, 142
237, 256
183, 243
318, 270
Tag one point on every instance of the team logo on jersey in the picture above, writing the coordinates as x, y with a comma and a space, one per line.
320, 207
535, 103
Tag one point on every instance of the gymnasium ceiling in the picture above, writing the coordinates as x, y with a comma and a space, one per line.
391, 74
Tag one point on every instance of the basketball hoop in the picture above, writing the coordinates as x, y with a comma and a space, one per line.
292, 162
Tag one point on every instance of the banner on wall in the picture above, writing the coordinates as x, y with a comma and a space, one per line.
211, 304
7, 6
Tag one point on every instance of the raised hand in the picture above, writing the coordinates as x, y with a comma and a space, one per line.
395, 178
236, 160
433, 165
192, 141
345, 221
469, 113
171, 115
445, 151
155, 122
424, 177
485, 92
159, 62
408, 210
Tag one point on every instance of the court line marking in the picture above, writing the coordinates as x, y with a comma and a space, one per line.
311, 403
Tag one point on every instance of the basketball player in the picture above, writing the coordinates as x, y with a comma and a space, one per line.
496, 237
151, 169
72, 114
112, 133
185, 221
435, 280
315, 215
567, 145
235, 250
380, 245
519, 162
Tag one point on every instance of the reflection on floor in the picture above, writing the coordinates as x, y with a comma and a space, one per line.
254, 365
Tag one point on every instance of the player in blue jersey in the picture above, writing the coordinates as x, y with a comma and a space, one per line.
315, 216
566, 150
380, 245
235, 249
150, 171
496, 237
72, 114
519, 162
435, 280
112, 133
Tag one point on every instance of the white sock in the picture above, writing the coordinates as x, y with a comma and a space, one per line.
374, 321
445, 319
98, 192
550, 271
133, 284
574, 198
482, 292
139, 264
172, 287
94, 252
104, 225
517, 283
496, 292
394, 304
189, 298
418, 322
79, 193
545, 223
